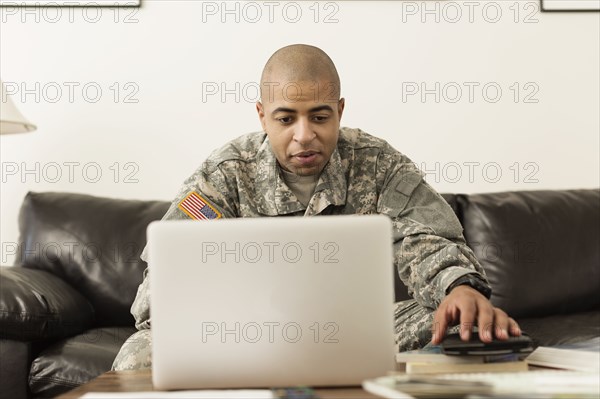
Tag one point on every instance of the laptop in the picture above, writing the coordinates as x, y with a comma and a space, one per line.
271, 302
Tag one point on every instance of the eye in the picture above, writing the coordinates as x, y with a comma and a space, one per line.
286, 120
320, 118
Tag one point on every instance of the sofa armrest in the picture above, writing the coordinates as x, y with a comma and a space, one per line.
36, 305
14, 368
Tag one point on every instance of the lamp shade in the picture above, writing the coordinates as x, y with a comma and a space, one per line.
11, 120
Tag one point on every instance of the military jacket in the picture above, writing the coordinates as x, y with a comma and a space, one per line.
365, 175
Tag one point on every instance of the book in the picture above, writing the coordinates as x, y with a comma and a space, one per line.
582, 356
433, 354
538, 384
407, 386
450, 368
431, 360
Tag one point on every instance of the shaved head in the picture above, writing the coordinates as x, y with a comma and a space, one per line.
299, 63
300, 108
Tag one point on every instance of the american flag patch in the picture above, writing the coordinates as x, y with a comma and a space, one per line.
198, 208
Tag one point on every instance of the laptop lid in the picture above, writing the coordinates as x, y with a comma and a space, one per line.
271, 302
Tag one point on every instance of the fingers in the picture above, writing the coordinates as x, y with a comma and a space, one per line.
506, 326
468, 314
503, 326
514, 327
465, 305
485, 321
440, 323
446, 314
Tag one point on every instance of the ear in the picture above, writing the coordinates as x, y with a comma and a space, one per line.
341, 105
261, 114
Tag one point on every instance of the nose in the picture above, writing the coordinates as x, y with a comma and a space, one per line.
303, 133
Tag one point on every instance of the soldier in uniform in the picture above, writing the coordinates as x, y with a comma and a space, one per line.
304, 164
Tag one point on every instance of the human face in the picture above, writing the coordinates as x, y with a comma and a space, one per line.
302, 121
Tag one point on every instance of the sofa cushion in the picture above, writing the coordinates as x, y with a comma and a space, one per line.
36, 305
562, 329
74, 361
539, 248
92, 243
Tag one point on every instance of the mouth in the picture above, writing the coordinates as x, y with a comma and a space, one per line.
304, 154
306, 158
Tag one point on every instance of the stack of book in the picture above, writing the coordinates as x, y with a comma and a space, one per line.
431, 360
567, 371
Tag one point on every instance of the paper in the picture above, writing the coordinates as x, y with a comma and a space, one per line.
200, 394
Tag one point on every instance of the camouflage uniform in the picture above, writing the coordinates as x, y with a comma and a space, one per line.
364, 175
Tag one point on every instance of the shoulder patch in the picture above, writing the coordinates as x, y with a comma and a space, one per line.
407, 183
198, 208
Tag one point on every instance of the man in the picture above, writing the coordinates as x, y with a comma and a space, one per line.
304, 164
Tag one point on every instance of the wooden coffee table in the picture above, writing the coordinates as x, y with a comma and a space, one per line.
141, 380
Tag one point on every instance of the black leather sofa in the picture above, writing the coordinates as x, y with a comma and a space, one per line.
64, 305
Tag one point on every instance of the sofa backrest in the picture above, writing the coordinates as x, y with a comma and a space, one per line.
540, 249
92, 243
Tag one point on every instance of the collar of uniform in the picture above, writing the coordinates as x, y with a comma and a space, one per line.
274, 197
331, 187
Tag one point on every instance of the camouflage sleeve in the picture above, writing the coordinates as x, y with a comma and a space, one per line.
430, 252
209, 183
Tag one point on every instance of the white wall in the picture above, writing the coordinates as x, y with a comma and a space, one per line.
176, 47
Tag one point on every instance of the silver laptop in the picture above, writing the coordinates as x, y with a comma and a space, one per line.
271, 302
